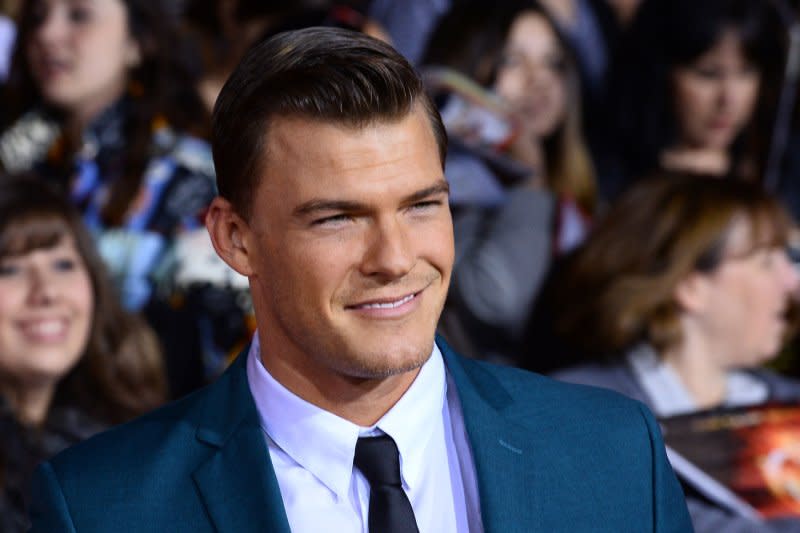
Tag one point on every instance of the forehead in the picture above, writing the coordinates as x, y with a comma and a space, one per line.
103, 8
303, 152
531, 31
36, 231
727, 47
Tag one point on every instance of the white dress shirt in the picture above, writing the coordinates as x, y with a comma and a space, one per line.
312, 452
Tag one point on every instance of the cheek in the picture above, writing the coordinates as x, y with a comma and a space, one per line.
314, 269
509, 85
82, 297
692, 97
559, 99
435, 241
12, 300
748, 94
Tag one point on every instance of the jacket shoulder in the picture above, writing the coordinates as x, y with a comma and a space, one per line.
130, 441
524, 391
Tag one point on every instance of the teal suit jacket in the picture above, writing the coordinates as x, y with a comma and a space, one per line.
549, 457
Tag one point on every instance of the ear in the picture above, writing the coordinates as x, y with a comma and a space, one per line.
692, 292
228, 231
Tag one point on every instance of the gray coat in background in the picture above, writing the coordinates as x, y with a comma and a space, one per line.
711, 512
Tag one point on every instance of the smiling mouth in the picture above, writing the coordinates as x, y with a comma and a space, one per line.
386, 304
44, 330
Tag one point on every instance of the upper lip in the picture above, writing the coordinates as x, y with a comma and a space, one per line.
49, 62
722, 122
39, 319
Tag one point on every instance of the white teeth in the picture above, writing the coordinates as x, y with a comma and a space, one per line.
47, 327
389, 305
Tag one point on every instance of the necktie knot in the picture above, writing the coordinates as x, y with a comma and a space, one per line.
378, 459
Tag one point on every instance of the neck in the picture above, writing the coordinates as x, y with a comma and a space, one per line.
30, 403
685, 157
694, 363
82, 117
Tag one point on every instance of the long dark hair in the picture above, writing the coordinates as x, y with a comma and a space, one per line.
162, 86
120, 374
666, 34
471, 39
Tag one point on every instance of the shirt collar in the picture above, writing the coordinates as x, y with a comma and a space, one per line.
293, 423
669, 395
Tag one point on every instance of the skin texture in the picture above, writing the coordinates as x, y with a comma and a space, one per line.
45, 318
714, 97
344, 219
80, 54
529, 78
734, 316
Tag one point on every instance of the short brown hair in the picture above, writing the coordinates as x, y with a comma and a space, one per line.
618, 289
327, 74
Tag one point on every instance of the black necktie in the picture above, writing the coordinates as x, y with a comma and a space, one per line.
389, 508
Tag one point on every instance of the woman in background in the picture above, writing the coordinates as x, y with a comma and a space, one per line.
104, 104
72, 362
530, 195
110, 91
683, 290
696, 89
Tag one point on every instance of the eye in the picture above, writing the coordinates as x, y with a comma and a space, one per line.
510, 60
79, 14
64, 265
426, 205
8, 269
708, 72
333, 220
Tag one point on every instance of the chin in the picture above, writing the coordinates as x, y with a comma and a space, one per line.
386, 358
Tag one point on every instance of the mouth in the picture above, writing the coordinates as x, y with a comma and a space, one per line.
721, 124
49, 66
385, 303
45, 330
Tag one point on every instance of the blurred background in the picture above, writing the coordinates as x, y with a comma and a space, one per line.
625, 191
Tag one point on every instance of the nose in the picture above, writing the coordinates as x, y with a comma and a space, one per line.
389, 253
43, 290
727, 92
537, 74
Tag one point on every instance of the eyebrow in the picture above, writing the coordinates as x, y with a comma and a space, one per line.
313, 206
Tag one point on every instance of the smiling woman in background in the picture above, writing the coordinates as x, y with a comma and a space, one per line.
72, 361
102, 101
682, 291
509, 225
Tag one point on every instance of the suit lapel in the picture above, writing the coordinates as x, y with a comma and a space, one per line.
506, 456
237, 483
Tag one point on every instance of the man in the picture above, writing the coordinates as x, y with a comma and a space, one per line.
344, 415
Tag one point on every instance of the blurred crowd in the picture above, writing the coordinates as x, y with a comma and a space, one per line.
624, 184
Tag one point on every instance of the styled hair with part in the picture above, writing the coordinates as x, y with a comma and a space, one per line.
324, 74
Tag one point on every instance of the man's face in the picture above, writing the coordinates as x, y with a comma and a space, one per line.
350, 247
